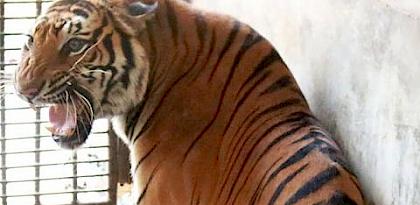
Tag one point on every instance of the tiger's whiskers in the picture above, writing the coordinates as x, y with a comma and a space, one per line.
67, 105
75, 113
94, 98
97, 71
87, 104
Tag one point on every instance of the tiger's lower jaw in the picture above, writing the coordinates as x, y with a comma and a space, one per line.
70, 124
74, 138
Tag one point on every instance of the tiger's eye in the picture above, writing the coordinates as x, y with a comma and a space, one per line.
75, 45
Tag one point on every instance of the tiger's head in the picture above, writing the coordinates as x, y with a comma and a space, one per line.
82, 58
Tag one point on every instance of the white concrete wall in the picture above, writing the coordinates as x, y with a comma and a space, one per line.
358, 63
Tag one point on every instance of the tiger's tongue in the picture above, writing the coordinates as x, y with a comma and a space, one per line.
62, 120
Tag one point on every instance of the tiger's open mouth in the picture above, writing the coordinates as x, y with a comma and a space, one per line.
70, 123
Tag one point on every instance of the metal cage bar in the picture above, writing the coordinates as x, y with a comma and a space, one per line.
2, 113
38, 132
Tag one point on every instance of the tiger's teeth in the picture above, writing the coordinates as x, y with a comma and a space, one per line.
33, 107
68, 133
51, 129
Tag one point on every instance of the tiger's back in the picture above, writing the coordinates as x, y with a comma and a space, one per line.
231, 126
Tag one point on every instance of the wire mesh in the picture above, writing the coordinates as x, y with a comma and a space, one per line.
33, 169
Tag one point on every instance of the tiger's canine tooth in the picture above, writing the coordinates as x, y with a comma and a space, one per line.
68, 133
51, 129
33, 107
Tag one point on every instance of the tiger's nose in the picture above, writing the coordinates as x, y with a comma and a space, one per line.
29, 90
29, 93
29, 79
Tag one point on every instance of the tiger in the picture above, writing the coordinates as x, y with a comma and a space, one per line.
211, 113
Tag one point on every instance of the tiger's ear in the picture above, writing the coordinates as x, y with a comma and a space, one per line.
131, 15
139, 8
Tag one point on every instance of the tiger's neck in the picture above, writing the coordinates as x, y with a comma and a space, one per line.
171, 42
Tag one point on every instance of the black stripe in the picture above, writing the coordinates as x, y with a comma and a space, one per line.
80, 12
277, 107
314, 184
292, 115
129, 59
283, 184
257, 190
59, 28
339, 198
193, 194
173, 22
249, 154
249, 115
54, 88
99, 30
60, 77
278, 85
280, 106
133, 118
57, 89
201, 23
293, 118
272, 57
329, 149
107, 42
356, 183
310, 135
86, 33
139, 110
242, 100
296, 157
111, 83
202, 34
69, 31
143, 193
144, 158
89, 77
209, 54
232, 35
153, 55
337, 157
103, 78
87, 5
78, 27
283, 136
109, 48
251, 39
84, 92
201, 30
148, 122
